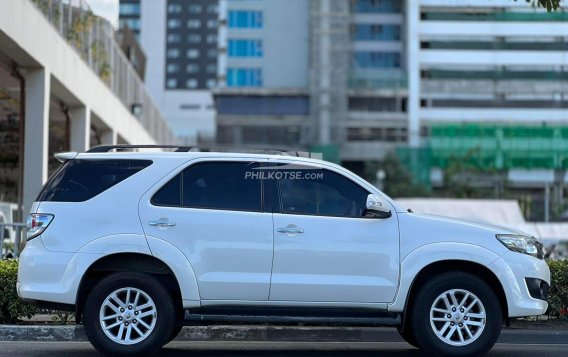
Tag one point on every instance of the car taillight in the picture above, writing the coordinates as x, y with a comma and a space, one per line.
37, 223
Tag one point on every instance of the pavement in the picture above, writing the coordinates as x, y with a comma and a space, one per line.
278, 341
273, 349
275, 333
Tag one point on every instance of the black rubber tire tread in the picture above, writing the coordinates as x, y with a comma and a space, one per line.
175, 332
164, 305
420, 315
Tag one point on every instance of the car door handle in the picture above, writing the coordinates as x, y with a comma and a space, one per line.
290, 230
162, 224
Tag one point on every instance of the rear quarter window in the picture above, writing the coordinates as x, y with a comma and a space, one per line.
80, 180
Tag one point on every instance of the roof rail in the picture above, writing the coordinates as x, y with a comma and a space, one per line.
107, 148
183, 148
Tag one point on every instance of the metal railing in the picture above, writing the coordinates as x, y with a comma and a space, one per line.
11, 244
94, 40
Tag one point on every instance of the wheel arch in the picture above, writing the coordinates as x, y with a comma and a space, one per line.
127, 262
466, 266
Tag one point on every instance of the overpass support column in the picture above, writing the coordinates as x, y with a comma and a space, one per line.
36, 135
80, 129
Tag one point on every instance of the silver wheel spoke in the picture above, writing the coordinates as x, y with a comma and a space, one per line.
446, 325
143, 324
147, 313
457, 317
464, 300
475, 315
441, 310
454, 300
113, 325
116, 300
118, 321
474, 323
441, 319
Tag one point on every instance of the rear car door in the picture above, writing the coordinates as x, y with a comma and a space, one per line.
213, 212
325, 249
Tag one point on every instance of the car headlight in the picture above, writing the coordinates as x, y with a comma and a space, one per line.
522, 244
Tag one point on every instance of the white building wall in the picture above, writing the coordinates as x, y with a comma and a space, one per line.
285, 38
418, 30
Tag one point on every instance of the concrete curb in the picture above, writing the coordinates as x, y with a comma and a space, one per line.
44, 333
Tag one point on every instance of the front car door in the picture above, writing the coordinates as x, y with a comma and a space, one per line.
214, 213
325, 249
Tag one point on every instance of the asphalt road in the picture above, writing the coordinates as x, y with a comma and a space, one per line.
276, 349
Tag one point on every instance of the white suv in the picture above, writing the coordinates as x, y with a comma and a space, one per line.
140, 243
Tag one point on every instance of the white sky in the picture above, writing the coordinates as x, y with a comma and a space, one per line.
105, 8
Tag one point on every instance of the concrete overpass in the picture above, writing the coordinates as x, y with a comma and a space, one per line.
117, 106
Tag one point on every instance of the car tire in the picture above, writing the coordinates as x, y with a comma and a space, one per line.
175, 333
129, 314
456, 314
408, 335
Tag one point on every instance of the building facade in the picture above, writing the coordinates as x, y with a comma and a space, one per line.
180, 39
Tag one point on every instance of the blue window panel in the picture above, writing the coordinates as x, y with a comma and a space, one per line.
245, 48
244, 77
262, 105
368, 59
374, 6
245, 19
372, 32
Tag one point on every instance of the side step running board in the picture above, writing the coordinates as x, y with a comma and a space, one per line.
387, 320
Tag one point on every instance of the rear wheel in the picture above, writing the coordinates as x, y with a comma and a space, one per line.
129, 314
457, 314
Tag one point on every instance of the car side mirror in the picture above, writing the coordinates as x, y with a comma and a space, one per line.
377, 207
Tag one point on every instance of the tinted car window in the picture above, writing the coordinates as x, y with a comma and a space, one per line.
169, 194
214, 185
321, 193
80, 180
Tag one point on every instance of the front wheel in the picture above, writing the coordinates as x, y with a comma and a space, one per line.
129, 314
456, 314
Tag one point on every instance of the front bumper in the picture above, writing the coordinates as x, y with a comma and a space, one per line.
516, 272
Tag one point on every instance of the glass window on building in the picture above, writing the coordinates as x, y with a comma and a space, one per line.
212, 53
192, 68
174, 38
171, 83
193, 38
373, 59
129, 9
211, 68
192, 53
212, 9
211, 83
211, 24
193, 24
174, 8
191, 83
133, 24
245, 48
194, 8
174, 23
244, 77
211, 39
375, 32
245, 19
172, 53
374, 6
172, 68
